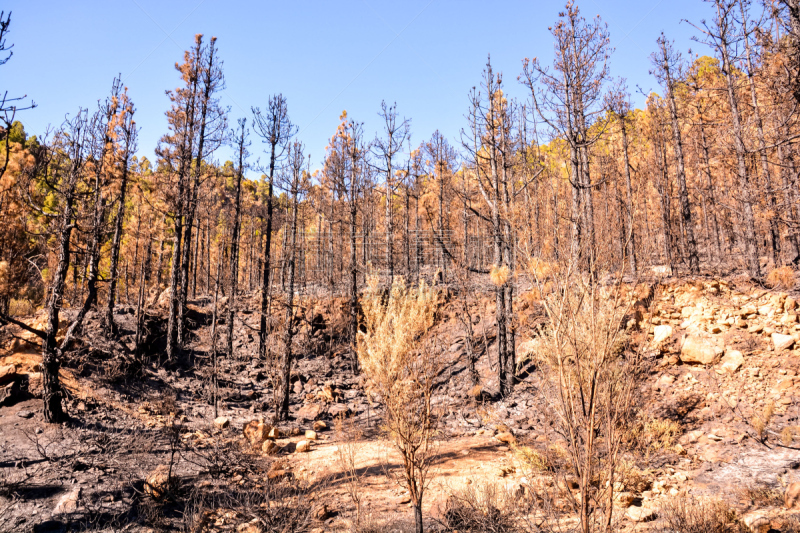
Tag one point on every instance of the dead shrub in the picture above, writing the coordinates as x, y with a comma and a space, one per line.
590, 386
687, 515
762, 495
781, 278
481, 509
403, 373
761, 421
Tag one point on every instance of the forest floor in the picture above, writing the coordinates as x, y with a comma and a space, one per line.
144, 451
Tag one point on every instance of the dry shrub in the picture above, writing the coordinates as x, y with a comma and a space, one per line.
21, 307
403, 373
762, 495
500, 275
540, 268
760, 421
781, 278
531, 459
590, 384
788, 434
348, 435
659, 434
687, 515
482, 509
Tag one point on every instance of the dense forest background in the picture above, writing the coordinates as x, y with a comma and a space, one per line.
703, 178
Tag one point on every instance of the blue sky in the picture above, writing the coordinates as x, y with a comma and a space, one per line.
324, 56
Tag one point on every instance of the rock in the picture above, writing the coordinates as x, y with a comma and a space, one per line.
274, 433
624, 499
757, 522
10, 393
303, 446
222, 422
278, 475
256, 431
25, 414
792, 498
696, 349
732, 361
157, 482
641, 514
339, 410
311, 435
68, 503
506, 437
475, 392
782, 342
7, 373
320, 425
790, 304
250, 527
35, 384
322, 513
269, 447
666, 379
309, 411
661, 333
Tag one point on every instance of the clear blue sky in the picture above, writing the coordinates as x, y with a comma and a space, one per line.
324, 56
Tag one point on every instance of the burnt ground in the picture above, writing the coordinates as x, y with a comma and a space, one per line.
132, 419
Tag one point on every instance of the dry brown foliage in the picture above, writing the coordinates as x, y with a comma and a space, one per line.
688, 515
781, 278
590, 383
402, 372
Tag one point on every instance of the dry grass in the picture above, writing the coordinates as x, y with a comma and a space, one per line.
763, 495
688, 515
781, 278
760, 421
532, 459
500, 275
660, 434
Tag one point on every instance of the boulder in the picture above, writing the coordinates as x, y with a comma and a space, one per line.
757, 522
269, 447
311, 435
782, 342
157, 482
792, 498
732, 361
7, 373
303, 446
699, 350
320, 425
256, 431
624, 499
274, 433
506, 437
641, 514
68, 503
222, 422
309, 411
661, 333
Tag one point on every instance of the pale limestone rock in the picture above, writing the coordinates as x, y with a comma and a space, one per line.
732, 361
661, 333
782, 342
697, 349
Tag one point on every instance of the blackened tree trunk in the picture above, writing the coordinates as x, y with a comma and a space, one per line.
237, 216
666, 61
129, 137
